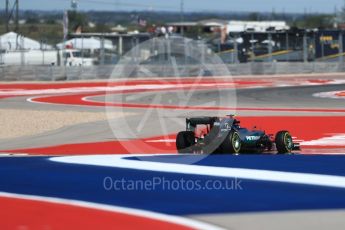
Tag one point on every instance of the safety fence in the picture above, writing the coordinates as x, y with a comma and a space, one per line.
61, 73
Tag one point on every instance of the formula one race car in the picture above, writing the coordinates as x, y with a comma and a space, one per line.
225, 135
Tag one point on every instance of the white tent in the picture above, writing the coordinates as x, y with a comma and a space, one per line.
87, 43
14, 41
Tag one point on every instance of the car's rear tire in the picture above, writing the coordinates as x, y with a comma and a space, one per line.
232, 143
212, 142
284, 143
184, 141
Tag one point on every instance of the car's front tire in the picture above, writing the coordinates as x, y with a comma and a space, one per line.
184, 141
284, 142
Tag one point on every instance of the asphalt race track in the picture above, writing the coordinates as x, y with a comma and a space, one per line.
126, 170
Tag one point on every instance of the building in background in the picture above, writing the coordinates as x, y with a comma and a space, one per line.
214, 25
206, 26
90, 44
256, 26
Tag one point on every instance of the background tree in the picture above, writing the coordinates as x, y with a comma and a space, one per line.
76, 20
254, 16
342, 13
322, 21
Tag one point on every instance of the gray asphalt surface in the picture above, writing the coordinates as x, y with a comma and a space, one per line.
148, 123
283, 97
297, 220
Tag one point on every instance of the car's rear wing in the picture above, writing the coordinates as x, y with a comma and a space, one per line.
194, 121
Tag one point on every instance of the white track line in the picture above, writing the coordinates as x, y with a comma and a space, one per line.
119, 161
111, 208
32, 100
331, 94
117, 88
333, 140
13, 154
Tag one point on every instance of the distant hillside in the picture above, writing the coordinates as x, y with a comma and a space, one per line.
127, 17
